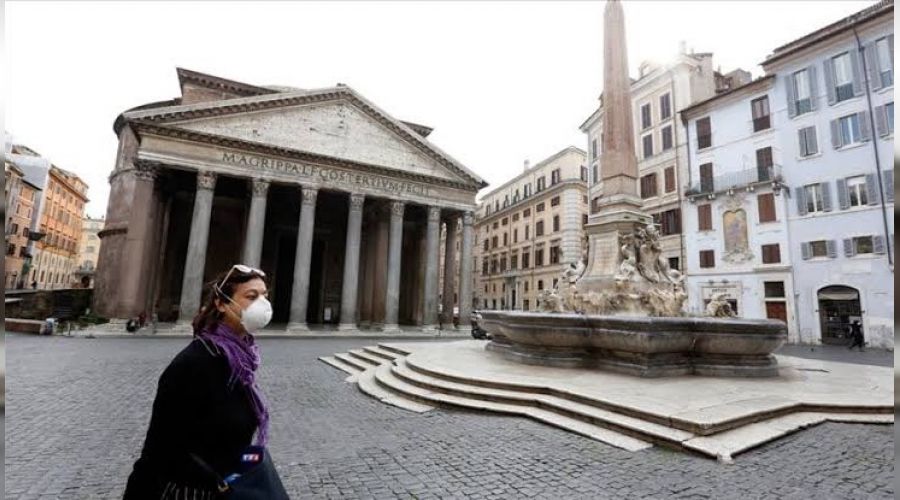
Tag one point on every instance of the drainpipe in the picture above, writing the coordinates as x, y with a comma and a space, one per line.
678, 184
881, 189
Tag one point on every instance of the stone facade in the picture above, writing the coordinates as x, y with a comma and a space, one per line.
529, 230
832, 109
736, 207
657, 96
338, 202
88, 251
60, 221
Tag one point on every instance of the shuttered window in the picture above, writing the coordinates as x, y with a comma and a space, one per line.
771, 254
648, 186
764, 164
704, 216
665, 106
647, 144
807, 139
666, 134
707, 258
704, 133
759, 109
646, 119
670, 179
706, 178
766, 206
539, 228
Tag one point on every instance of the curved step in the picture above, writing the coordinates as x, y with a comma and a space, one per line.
386, 378
367, 384
352, 361
395, 349
367, 358
382, 353
340, 365
623, 424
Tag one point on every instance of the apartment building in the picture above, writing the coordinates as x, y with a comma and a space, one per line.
529, 229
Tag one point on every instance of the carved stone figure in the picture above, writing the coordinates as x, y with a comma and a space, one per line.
628, 265
719, 307
550, 301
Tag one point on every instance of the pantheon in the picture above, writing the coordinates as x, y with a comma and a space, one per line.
339, 203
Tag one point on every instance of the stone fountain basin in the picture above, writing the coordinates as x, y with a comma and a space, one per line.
638, 345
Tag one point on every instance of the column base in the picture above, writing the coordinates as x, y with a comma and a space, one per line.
297, 328
430, 328
182, 326
392, 328
343, 327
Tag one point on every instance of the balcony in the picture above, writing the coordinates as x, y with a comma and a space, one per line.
743, 179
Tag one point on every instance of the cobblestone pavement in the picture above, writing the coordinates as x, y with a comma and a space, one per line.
78, 412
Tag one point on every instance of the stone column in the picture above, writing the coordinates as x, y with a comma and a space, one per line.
256, 224
395, 245
139, 245
432, 256
447, 301
195, 263
300, 292
350, 286
465, 271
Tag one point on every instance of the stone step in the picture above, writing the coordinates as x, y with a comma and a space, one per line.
623, 424
654, 418
367, 358
382, 352
725, 445
395, 349
367, 384
386, 378
340, 365
353, 361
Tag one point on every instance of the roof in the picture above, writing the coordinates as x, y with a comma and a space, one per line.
221, 84
759, 82
168, 111
884, 7
536, 166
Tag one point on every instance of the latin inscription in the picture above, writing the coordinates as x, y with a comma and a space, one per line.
330, 176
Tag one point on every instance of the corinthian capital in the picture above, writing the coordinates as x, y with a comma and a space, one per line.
356, 202
397, 208
145, 172
468, 218
206, 180
260, 187
309, 195
434, 214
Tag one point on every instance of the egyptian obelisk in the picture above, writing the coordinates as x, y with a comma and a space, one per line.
619, 210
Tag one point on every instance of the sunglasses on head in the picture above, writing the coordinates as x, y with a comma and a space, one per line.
241, 268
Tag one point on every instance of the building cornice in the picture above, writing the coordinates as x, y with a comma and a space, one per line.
531, 170
221, 84
883, 8
177, 133
535, 198
702, 107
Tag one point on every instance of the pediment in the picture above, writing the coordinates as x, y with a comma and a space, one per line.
336, 128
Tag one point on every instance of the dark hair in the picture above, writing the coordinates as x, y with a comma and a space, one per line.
209, 315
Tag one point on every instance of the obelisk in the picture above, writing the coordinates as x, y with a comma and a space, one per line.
619, 211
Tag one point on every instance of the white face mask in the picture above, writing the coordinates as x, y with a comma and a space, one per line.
256, 316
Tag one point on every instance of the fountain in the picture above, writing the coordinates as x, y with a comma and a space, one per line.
620, 307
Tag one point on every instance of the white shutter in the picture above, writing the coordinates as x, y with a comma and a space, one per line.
791, 95
843, 195
856, 67
888, 177
801, 142
800, 194
805, 250
881, 121
848, 247
872, 66
826, 195
831, 248
878, 244
865, 128
829, 80
872, 189
811, 142
836, 134
813, 87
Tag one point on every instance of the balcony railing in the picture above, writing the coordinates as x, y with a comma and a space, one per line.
735, 180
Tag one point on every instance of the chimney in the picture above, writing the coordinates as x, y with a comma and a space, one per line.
527, 164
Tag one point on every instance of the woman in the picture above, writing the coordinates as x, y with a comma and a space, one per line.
207, 402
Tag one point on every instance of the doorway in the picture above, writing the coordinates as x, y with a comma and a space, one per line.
838, 307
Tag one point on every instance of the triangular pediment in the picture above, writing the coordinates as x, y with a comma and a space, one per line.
335, 128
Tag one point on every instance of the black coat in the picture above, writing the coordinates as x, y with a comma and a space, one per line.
195, 411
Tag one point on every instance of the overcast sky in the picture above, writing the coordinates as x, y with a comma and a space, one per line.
500, 82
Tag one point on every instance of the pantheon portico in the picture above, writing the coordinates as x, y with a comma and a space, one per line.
340, 204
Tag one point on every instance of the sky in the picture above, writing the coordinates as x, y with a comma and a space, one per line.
500, 82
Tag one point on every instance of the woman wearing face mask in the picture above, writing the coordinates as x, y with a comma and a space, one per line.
208, 403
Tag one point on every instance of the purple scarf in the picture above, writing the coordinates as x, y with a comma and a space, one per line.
243, 359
